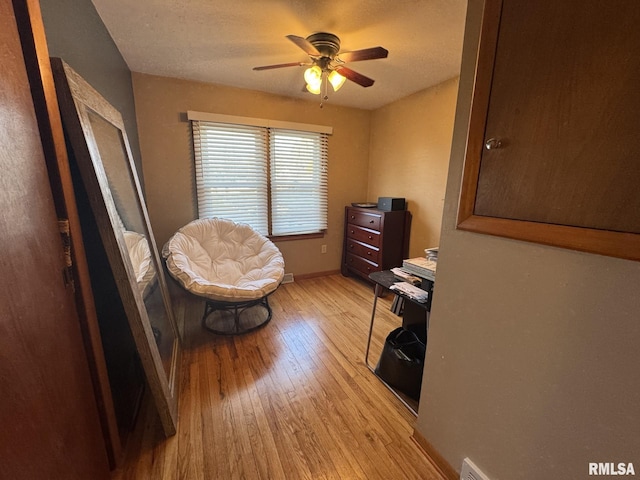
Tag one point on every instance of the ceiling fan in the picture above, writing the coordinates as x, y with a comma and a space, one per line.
326, 61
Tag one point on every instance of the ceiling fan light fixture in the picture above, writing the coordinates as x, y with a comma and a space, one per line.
315, 89
336, 80
313, 77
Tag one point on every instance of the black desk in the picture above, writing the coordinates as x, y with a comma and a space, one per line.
415, 318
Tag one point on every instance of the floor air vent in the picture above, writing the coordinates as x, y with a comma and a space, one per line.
288, 278
471, 472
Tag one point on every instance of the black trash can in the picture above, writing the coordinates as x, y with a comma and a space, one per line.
402, 361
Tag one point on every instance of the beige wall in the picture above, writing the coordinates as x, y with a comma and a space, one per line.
409, 157
165, 144
532, 361
76, 34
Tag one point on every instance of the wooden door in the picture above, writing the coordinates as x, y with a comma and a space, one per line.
49, 426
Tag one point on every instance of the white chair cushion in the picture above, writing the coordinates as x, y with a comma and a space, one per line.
140, 256
224, 261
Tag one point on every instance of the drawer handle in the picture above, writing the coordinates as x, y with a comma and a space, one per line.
369, 237
353, 217
368, 269
371, 221
351, 246
353, 231
369, 253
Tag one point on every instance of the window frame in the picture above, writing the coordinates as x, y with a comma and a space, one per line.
268, 125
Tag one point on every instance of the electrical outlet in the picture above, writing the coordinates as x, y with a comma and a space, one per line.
323, 249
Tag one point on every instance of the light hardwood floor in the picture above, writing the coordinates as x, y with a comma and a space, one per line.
293, 400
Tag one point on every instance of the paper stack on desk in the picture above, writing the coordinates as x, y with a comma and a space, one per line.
405, 276
431, 253
411, 291
421, 267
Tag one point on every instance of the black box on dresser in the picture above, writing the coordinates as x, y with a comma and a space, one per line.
390, 204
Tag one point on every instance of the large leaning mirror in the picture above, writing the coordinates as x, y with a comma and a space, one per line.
96, 134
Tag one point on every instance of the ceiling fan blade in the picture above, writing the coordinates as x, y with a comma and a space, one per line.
305, 45
364, 54
355, 76
281, 65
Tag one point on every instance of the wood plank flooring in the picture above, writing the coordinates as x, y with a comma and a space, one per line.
292, 400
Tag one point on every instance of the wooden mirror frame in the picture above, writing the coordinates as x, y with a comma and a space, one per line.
605, 242
78, 100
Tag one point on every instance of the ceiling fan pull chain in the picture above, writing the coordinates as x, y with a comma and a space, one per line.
326, 87
323, 84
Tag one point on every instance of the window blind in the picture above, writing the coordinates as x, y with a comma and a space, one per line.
231, 172
238, 165
298, 181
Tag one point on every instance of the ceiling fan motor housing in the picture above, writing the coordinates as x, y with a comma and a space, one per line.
327, 44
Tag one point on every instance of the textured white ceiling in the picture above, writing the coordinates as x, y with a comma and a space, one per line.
220, 41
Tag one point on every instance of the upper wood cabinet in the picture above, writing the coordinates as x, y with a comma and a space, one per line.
553, 154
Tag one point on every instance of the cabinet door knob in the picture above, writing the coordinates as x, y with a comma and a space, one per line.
493, 144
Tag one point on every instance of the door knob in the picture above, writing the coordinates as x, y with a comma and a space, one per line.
493, 144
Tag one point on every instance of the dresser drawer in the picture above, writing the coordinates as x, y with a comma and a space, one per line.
374, 240
361, 265
363, 235
364, 219
362, 250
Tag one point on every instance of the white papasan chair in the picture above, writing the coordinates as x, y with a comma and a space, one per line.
232, 266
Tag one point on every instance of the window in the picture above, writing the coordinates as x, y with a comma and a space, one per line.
231, 173
271, 175
298, 182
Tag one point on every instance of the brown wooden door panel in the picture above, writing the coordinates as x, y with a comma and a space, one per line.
50, 427
566, 105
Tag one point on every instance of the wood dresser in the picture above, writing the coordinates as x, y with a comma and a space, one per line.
374, 240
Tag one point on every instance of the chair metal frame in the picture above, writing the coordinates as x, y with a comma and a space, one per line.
238, 308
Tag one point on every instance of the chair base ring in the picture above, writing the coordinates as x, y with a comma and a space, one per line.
234, 318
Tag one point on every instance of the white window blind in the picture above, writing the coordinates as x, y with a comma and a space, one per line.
231, 172
298, 181
238, 164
